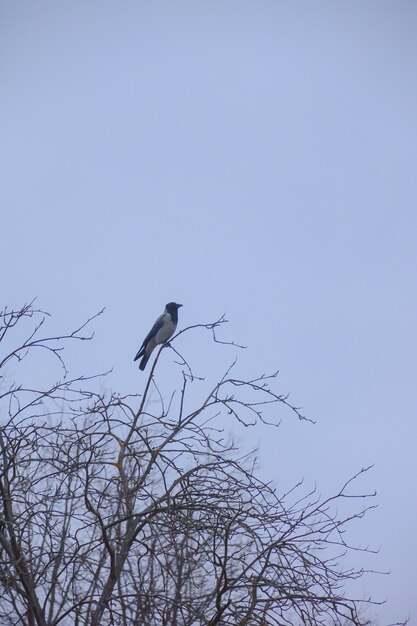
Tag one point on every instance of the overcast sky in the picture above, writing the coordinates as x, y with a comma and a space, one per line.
254, 158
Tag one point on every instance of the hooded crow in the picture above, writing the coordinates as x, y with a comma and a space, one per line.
161, 331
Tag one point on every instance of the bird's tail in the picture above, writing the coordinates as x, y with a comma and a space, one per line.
144, 361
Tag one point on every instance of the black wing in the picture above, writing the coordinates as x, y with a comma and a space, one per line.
157, 326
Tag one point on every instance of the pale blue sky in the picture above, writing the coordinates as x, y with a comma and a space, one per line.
253, 158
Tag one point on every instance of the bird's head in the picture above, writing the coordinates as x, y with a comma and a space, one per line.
171, 307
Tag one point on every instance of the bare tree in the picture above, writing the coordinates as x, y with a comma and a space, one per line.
138, 510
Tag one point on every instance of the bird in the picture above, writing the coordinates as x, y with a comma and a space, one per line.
161, 332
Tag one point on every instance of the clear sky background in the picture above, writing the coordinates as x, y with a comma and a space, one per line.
254, 158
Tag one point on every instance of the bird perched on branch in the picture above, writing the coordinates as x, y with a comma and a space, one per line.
161, 331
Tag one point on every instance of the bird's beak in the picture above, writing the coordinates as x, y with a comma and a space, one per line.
178, 305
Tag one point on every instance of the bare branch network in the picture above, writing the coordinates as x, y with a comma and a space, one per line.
118, 511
